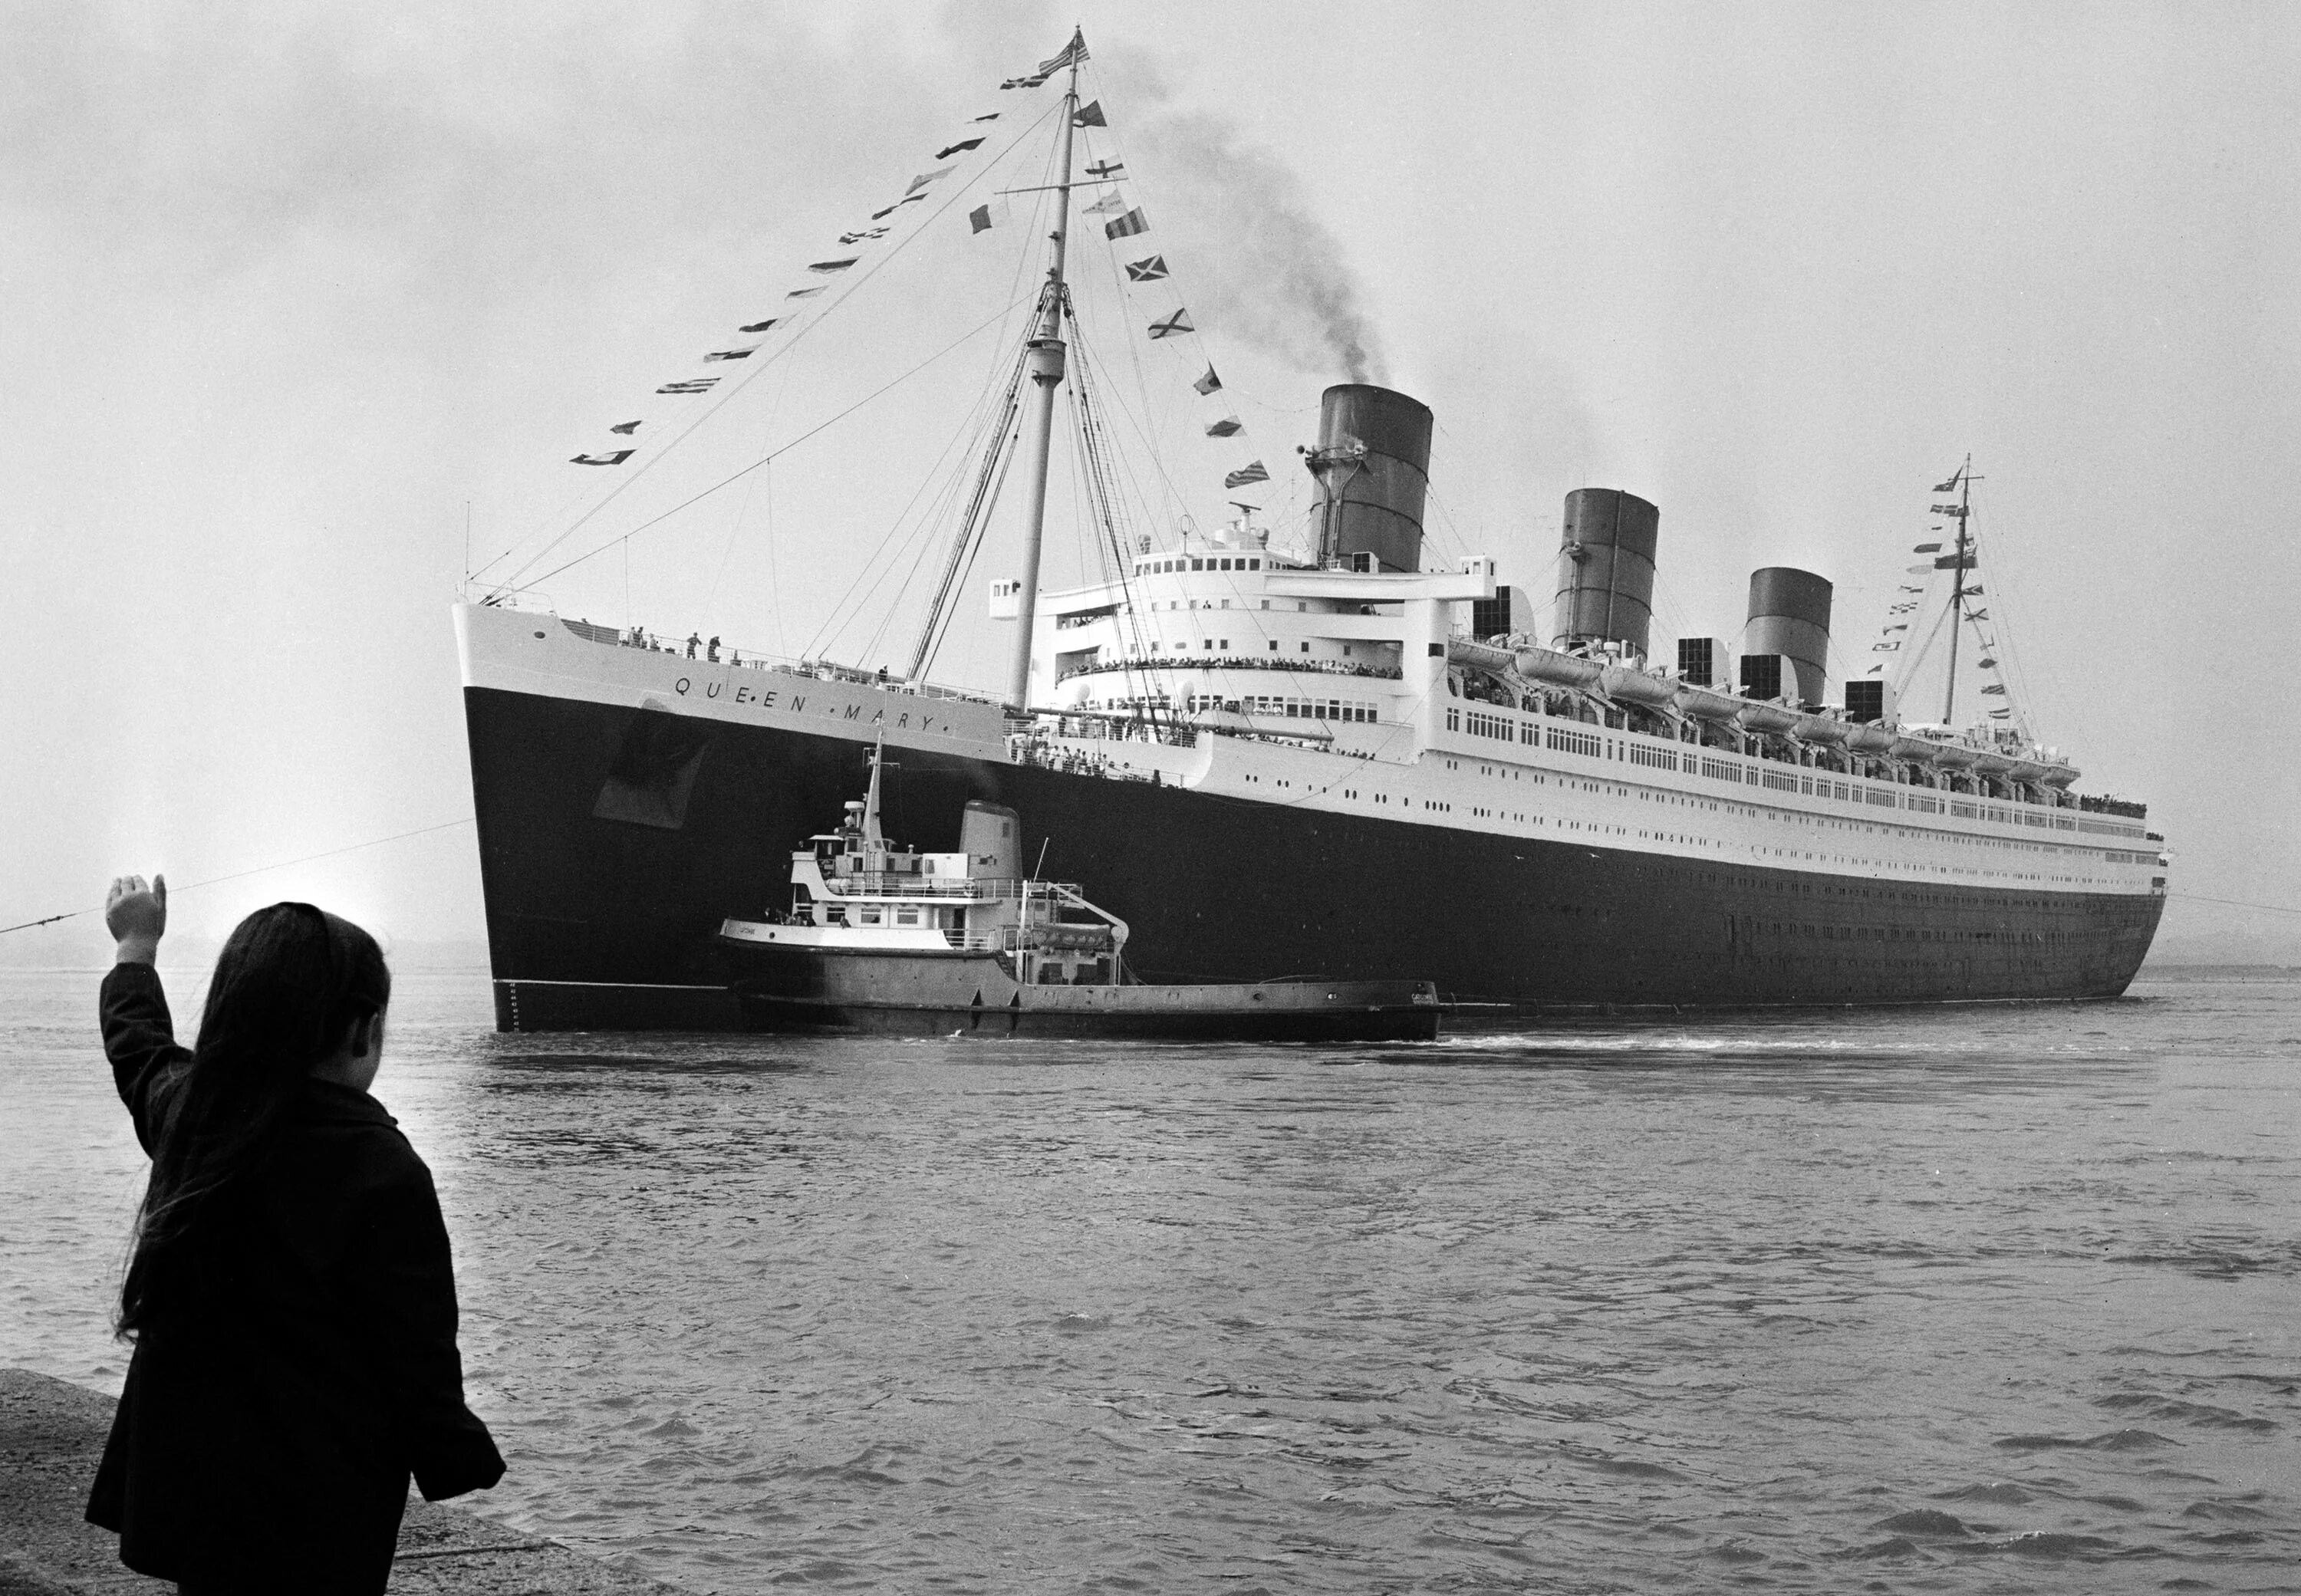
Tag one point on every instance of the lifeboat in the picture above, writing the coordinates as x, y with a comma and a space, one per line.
1547, 664
1767, 717
1626, 686
1704, 705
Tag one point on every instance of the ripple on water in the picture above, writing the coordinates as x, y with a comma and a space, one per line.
1788, 1304
2115, 1440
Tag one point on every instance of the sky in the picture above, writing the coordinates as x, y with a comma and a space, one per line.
299, 293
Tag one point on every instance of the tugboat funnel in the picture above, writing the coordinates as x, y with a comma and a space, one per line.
992, 838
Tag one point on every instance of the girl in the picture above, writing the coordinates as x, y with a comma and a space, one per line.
289, 1294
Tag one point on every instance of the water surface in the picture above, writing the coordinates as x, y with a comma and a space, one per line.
1986, 1299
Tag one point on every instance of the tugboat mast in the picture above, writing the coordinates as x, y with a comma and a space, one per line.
1044, 364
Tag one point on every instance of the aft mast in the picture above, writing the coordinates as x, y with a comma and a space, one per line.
1043, 363
1957, 585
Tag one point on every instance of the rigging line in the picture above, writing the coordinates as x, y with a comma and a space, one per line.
774, 577
1093, 434
2011, 587
1909, 675
965, 439
878, 574
1174, 509
992, 443
974, 549
1150, 449
1149, 446
920, 541
2274, 908
738, 476
1173, 354
975, 427
774, 360
216, 881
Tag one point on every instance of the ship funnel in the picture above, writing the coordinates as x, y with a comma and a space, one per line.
1789, 615
1373, 467
1606, 569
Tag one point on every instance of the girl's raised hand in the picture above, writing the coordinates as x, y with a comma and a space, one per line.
137, 915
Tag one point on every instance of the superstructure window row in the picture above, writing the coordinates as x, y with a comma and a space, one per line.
1201, 563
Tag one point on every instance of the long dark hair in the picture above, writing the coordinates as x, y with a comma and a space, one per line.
292, 982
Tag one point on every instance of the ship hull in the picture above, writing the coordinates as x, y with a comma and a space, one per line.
611, 854
971, 993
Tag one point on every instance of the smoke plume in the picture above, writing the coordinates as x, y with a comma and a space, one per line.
1261, 264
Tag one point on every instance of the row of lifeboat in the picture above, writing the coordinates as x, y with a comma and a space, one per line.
1621, 684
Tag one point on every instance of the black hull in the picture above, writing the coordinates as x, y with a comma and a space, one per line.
612, 848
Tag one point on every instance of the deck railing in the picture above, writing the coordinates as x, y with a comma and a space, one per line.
710, 652
890, 883
1236, 662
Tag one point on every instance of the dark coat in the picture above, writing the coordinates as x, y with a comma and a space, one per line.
266, 1436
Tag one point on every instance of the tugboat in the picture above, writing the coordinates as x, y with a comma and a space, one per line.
883, 937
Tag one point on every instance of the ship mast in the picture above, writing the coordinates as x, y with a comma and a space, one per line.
1043, 363
1957, 588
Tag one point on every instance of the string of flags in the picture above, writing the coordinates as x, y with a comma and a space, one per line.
1963, 558
1146, 279
806, 301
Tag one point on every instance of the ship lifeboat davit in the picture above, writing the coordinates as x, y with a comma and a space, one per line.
1704, 705
1563, 670
1626, 686
1768, 717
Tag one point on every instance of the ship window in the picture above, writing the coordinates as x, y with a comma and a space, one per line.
1254, 565
1274, 642
1306, 647
907, 916
868, 916
1225, 565
1198, 564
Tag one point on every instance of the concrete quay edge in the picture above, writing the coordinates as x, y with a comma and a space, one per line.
52, 1434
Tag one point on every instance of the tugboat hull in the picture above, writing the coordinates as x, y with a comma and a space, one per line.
972, 994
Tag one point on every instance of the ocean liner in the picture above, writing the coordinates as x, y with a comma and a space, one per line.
1280, 748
